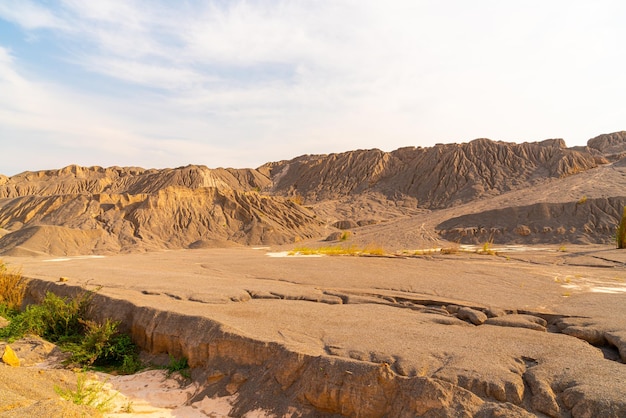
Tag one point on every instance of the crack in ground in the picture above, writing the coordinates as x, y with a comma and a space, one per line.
576, 327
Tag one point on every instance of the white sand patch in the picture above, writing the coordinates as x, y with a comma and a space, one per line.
152, 394
503, 248
79, 257
260, 248
281, 254
612, 290
585, 284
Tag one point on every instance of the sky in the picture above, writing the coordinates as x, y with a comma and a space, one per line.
234, 83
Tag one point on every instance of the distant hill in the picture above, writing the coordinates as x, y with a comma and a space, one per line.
477, 191
437, 177
79, 210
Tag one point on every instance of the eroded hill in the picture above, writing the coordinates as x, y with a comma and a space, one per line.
79, 210
85, 210
438, 177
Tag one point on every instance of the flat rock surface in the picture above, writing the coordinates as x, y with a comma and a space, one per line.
401, 312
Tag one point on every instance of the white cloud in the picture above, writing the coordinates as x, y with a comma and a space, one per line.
270, 77
30, 15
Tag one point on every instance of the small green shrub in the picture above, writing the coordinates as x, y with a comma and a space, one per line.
582, 200
56, 319
63, 317
104, 346
178, 365
621, 231
64, 321
88, 393
131, 363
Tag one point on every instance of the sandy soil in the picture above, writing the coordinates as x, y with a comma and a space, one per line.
152, 393
387, 310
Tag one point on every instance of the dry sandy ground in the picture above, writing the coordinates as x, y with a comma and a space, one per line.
30, 389
393, 311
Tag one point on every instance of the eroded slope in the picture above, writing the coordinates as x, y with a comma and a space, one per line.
80, 210
438, 177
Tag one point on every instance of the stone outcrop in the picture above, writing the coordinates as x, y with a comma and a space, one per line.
9, 357
555, 375
612, 146
588, 221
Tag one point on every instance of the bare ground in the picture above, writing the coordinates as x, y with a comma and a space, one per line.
536, 330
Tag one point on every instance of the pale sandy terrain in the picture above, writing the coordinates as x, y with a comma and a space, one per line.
400, 313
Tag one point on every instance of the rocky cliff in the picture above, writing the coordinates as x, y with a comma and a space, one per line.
583, 222
612, 146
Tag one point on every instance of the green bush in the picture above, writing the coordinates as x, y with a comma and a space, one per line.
56, 319
102, 345
178, 365
64, 321
88, 393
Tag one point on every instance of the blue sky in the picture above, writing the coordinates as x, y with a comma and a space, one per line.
239, 83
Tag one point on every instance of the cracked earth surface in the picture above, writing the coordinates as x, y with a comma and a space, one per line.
526, 333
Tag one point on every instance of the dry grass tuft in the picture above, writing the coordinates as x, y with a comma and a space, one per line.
449, 250
12, 288
339, 250
486, 249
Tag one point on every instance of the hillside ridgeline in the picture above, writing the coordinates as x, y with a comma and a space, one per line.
85, 210
438, 177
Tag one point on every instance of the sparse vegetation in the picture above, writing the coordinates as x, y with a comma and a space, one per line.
582, 200
345, 236
12, 289
55, 319
65, 322
178, 365
621, 231
128, 408
89, 393
486, 249
104, 346
449, 250
339, 250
